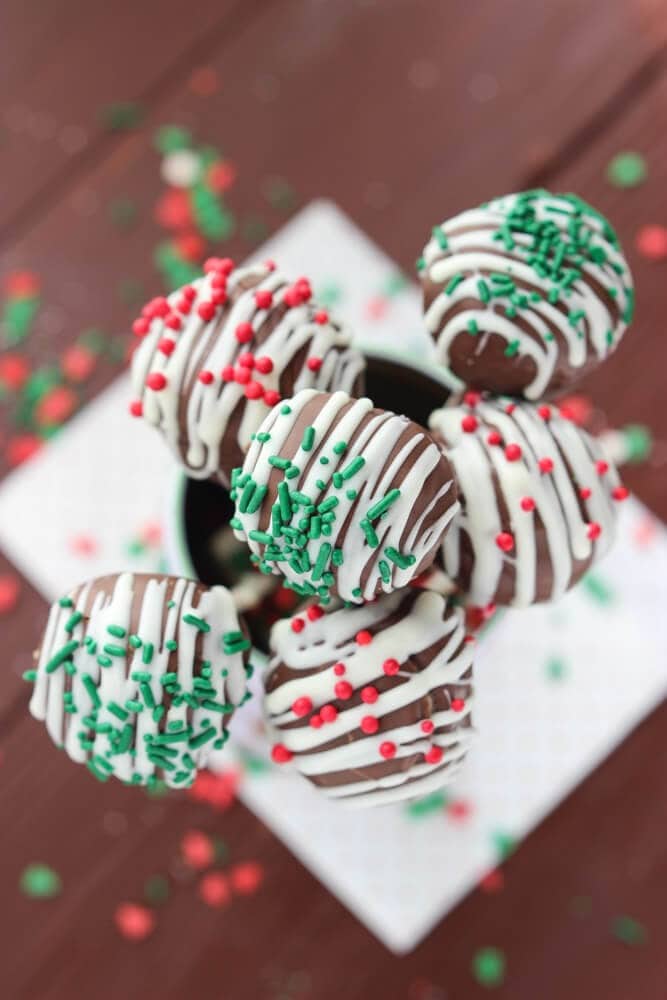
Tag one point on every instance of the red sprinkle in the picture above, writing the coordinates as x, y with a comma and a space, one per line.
219, 281
280, 754
141, 326
601, 467
458, 704
206, 377
227, 373
156, 381
22, 447
254, 390
173, 321
271, 397
298, 624
594, 530
134, 922
505, 541
314, 364
527, 504
224, 265
166, 346
369, 694
302, 706
315, 721
339, 669
343, 690
242, 376
321, 317
244, 333
14, 368
387, 749
620, 493
510, 408
469, 423
391, 666
270, 265
513, 452
494, 438
585, 492
328, 713
136, 408
544, 412
369, 724
314, 612
206, 310
219, 297
363, 638
247, 360
188, 293
263, 298
197, 849
546, 465
427, 726
433, 755
264, 365
472, 398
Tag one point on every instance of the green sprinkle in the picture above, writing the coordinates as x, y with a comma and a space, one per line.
285, 409
379, 508
472, 326
116, 710
73, 621
91, 688
263, 437
197, 622
203, 737
337, 557
512, 349
369, 532
260, 536
598, 589
328, 505
147, 652
279, 463
94, 765
292, 472
134, 641
351, 494
400, 560
117, 631
483, 291
324, 460
440, 238
104, 661
132, 705
340, 447
434, 802
62, 655
147, 695
39, 881
171, 645
235, 523
308, 438
112, 650
353, 467
322, 561
454, 283
385, 571
556, 669
30, 676
488, 966
284, 502
66, 602
246, 496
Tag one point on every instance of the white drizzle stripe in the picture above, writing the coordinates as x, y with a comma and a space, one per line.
213, 345
482, 468
376, 437
114, 603
330, 640
473, 252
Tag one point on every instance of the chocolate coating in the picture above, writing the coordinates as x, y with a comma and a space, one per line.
538, 501
373, 704
342, 498
525, 294
218, 354
138, 676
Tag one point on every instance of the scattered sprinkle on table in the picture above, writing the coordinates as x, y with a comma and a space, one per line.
628, 930
627, 170
556, 669
214, 889
246, 877
197, 849
39, 881
651, 242
134, 922
10, 589
488, 966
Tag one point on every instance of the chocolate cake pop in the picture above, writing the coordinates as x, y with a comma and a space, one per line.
218, 354
525, 294
372, 704
137, 676
342, 498
538, 500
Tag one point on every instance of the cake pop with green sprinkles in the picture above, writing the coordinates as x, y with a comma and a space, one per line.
137, 676
342, 498
525, 294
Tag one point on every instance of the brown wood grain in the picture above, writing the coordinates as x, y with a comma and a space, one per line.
403, 113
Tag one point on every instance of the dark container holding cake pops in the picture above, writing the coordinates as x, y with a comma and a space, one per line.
200, 544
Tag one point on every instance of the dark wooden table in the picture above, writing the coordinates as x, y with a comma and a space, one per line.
403, 111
